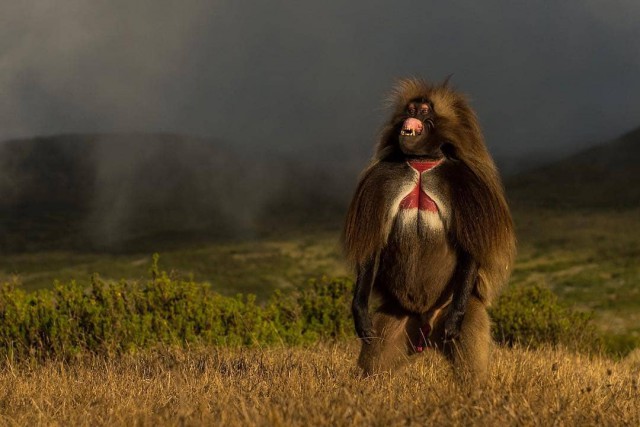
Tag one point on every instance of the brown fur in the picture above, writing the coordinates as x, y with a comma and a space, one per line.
415, 270
470, 354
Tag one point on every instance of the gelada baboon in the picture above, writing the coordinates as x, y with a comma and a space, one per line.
428, 231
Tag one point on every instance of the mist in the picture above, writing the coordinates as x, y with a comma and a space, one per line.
122, 192
285, 99
310, 78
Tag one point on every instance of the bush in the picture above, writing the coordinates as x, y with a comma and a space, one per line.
532, 316
112, 318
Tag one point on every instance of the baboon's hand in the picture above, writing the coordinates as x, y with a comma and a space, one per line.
452, 325
364, 328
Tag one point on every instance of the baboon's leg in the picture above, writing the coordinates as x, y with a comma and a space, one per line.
392, 343
469, 353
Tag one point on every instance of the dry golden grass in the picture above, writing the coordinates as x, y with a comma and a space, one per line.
317, 386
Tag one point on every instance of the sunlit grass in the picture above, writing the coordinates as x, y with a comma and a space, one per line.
318, 385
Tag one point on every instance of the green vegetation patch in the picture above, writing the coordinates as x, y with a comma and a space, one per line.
532, 315
251, 266
113, 318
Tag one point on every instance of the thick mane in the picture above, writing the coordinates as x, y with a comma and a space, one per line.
429, 232
362, 239
481, 224
456, 122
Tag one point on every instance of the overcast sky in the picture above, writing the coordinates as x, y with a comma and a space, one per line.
311, 77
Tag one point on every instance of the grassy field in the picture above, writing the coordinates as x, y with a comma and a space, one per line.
590, 258
250, 266
318, 386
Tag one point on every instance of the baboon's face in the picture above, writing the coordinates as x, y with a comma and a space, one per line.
416, 128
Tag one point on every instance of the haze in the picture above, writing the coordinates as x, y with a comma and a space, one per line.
309, 78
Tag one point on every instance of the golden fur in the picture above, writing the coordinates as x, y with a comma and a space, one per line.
416, 274
481, 220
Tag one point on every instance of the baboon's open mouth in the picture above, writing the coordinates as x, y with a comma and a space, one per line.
412, 127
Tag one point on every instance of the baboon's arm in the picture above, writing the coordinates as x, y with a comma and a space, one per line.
360, 303
464, 280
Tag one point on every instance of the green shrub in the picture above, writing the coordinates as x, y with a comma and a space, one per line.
531, 315
112, 318
619, 345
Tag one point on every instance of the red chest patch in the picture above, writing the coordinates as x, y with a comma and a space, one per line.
416, 197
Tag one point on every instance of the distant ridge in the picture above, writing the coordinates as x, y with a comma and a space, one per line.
607, 175
122, 192
96, 191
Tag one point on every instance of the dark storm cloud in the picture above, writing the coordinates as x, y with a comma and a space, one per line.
309, 77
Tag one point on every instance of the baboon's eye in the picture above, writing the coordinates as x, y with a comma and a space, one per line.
411, 109
424, 109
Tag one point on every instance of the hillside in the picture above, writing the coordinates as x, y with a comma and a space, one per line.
153, 192
111, 191
606, 175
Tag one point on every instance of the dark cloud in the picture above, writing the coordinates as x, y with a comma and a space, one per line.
309, 77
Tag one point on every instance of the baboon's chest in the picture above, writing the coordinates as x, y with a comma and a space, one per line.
417, 198
417, 261
419, 210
